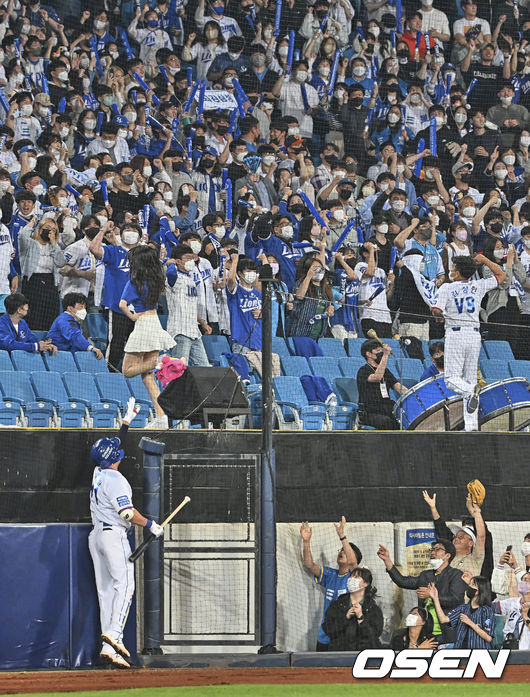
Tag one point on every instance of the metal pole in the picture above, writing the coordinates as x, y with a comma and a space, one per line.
268, 473
153, 451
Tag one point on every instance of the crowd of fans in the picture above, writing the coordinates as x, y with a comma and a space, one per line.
356, 147
465, 600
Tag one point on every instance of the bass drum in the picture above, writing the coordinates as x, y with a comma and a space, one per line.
430, 406
505, 405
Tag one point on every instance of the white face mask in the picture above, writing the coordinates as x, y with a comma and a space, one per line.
241, 156
435, 563
147, 171
318, 276
62, 202
324, 72
168, 196
509, 159
52, 170
440, 120
461, 235
374, 31
44, 111
4, 186
62, 76
359, 70
89, 124
26, 110
368, 191
84, 62
412, 620
195, 246
250, 277
189, 265
433, 200
130, 237
383, 229
131, 116
293, 131
268, 160
38, 190
393, 118
400, 169
32, 162
339, 94
353, 584
103, 220
422, 266
98, 24
287, 232
275, 267
267, 34
159, 205
527, 245
339, 215
525, 141
498, 254
506, 100
283, 51
501, 174
107, 143
301, 75
384, 186
460, 117
398, 206
123, 133
525, 549
415, 98
80, 314
469, 212
219, 231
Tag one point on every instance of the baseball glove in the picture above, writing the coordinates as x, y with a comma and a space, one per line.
477, 491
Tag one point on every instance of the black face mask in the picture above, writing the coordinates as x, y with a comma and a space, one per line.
222, 130
378, 358
45, 235
127, 179
198, 141
439, 362
332, 160
425, 233
176, 166
471, 593
356, 101
208, 162
321, 14
297, 208
91, 232
345, 193
403, 53
496, 228
465, 177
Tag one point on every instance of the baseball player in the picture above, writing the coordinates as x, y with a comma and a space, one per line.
113, 514
459, 303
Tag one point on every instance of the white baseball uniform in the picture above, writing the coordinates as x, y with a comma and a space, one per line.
460, 303
109, 548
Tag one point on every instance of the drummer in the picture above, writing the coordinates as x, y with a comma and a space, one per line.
436, 351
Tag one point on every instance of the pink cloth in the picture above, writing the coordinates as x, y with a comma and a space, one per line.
170, 369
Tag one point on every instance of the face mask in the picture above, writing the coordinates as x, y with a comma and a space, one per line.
525, 548
90, 124
422, 266
123, 133
324, 72
356, 101
353, 584
368, 191
339, 94
374, 31
258, 61
241, 156
496, 227
432, 200
62, 202
4, 186
195, 246
411, 620
152, 23
234, 57
461, 235
415, 98
219, 231
159, 205
147, 171
189, 265
301, 75
297, 208
440, 120
250, 277
283, 51
435, 563
80, 314
506, 100
429, 174
471, 593
393, 118
339, 215
398, 206
384, 186
218, 10
131, 116
499, 254
319, 276
460, 118
523, 587
45, 112
268, 160
527, 245
98, 24
345, 194
208, 162
168, 196
359, 70
400, 169
108, 100
38, 190
378, 358
287, 232
501, 174
469, 212
107, 143
509, 159
26, 110
439, 362
52, 170
267, 34
62, 76
130, 237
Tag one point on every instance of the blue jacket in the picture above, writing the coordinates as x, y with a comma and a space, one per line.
11, 339
66, 334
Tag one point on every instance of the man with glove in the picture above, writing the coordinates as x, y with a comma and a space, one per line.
113, 514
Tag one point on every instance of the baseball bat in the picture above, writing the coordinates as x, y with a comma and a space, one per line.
143, 546
372, 334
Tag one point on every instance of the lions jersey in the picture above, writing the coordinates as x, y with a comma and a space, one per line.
110, 494
460, 301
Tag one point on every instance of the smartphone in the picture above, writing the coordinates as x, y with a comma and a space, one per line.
509, 548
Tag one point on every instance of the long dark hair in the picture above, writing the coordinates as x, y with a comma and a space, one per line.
483, 590
427, 627
146, 274
301, 270
370, 591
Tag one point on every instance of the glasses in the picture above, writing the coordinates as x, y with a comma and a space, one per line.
438, 549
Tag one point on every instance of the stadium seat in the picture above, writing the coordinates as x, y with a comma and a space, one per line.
292, 407
139, 391
350, 366
97, 327
346, 391
113, 388
5, 361
412, 370
61, 362
342, 417
16, 387
332, 347
87, 362
494, 369
354, 347
40, 334
215, 345
295, 366
520, 369
279, 346
49, 387
325, 366
81, 387
498, 350
255, 401
11, 414
27, 362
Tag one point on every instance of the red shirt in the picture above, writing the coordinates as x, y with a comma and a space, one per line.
410, 40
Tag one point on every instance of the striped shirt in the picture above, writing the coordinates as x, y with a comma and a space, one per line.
466, 637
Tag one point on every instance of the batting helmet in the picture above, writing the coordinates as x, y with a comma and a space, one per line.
106, 451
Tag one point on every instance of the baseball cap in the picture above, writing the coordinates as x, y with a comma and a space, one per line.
469, 531
294, 141
346, 181
43, 98
210, 151
460, 165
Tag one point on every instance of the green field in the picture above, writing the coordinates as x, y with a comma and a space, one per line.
384, 690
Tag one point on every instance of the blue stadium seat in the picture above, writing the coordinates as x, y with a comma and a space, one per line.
140, 394
61, 362
292, 407
27, 362
87, 362
255, 401
40, 334
520, 369
354, 347
295, 366
342, 417
279, 346
215, 345
493, 370
10, 414
81, 387
412, 371
325, 366
97, 326
16, 387
499, 350
332, 347
113, 388
49, 388
346, 391
350, 366
5, 361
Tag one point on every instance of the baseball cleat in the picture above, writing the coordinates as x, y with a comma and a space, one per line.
114, 659
472, 405
116, 645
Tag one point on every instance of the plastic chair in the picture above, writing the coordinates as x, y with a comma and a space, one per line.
49, 388
354, 347
346, 391
279, 346
332, 347
349, 367
61, 362
113, 388
5, 361
292, 407
499, 350
87, 362
16, 387
27, 362
215, 345
11, 414
412, 371
520, 369
97, 327
81, 388
325, 366
295, 365
494, 369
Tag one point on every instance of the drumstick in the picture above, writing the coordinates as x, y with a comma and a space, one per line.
371, 333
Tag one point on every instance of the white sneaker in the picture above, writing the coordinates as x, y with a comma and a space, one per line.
113, 658
160, 423
116, 645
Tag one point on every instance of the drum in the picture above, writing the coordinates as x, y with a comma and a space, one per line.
505, 405
430, 406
